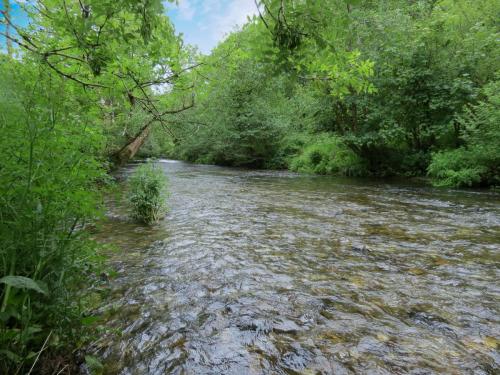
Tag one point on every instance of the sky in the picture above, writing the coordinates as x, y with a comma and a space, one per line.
204, 23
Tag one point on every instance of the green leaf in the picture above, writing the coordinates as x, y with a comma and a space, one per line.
10, 355
89, 320
22, 282
31, 355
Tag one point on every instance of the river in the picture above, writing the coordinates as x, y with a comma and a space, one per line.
268, 272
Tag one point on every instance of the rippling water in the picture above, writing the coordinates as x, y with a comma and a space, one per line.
258, 272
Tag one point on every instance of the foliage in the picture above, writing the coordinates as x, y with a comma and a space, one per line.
79, 82
388, 79
121, 52
157, 145
48, 192
477, 161
310, 38
148, 193
328, 155
238, 120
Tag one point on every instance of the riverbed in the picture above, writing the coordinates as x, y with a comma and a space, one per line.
270, 272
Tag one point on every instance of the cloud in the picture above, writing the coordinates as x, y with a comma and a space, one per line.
235, 14
205, 23
211, 6
186, 10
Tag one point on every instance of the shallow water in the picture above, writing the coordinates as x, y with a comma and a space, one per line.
264, 272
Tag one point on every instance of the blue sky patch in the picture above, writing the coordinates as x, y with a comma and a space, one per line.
204, 23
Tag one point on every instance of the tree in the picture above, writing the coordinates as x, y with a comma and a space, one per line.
84, 83
120, 50
476, 162
386, 79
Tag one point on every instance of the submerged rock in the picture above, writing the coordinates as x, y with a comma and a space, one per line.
433, 322
286, 326
361, 249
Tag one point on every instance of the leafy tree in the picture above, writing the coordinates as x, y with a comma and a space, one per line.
477, 161
120, 50
238, 119
386, 79
82, 86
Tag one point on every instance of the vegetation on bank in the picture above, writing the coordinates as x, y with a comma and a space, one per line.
75, 96
372, 88
49, 175
477, 160
342, 87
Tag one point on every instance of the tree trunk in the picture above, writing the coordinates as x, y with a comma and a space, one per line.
128, 151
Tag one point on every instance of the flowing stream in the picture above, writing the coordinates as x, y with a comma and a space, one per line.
266, 272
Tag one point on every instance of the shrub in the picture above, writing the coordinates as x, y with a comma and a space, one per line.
328, 155
148, 193
48, 192
455, 168
477, 161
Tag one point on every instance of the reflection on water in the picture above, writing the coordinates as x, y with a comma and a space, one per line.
257, 272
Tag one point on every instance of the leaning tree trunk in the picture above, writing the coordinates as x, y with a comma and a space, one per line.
128, 151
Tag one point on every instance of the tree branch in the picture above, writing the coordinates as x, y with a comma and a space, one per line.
261, 16
69, 76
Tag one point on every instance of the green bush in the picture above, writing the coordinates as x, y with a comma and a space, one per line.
328, 155
455, 168
148, 193
48, 192
477, 162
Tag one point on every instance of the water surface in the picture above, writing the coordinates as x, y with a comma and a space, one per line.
265, 272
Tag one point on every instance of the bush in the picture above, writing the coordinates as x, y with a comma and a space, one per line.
148, 193
48, 179
478, 161
328, 155
455, 168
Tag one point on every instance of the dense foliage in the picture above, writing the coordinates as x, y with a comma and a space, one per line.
77, 87
147, 193
48, 177
477, 160
353, 88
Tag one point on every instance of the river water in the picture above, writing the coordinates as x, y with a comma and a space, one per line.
265, 272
